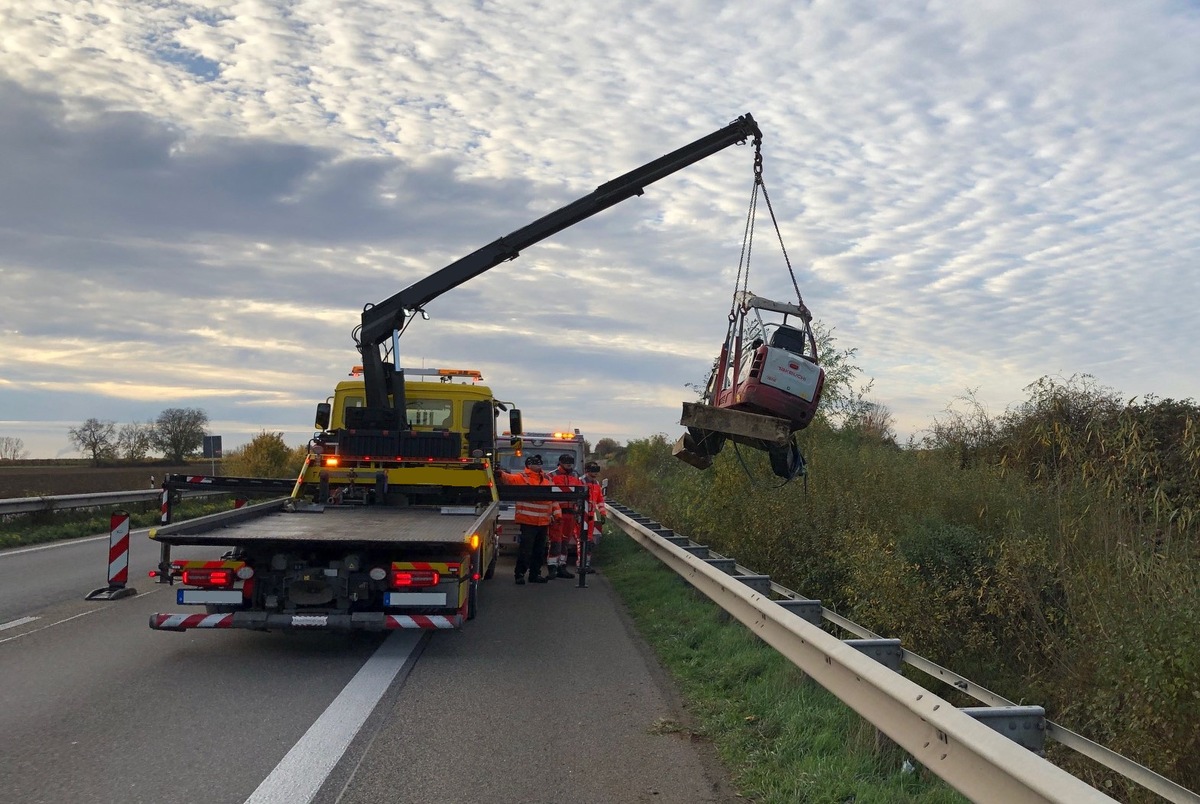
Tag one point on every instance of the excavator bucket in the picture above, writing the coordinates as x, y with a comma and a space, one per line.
684, 450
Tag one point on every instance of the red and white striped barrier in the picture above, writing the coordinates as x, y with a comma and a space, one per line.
181, 622
118, 561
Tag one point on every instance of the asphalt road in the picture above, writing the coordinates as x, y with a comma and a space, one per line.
547, 696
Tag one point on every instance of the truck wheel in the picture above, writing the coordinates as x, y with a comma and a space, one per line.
473, 600
491, 567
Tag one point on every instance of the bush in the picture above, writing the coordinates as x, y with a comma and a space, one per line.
265, 456
1056, 593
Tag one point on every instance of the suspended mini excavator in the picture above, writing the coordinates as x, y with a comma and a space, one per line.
766, 383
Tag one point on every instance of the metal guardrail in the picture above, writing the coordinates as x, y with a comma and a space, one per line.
62, 502
981, 761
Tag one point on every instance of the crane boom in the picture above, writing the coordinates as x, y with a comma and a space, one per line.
380, 321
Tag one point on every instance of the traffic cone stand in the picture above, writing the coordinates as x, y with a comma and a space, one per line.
118, 561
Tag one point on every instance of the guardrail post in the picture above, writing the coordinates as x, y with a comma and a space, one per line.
885, 651
118, 561
809, 610
759, 583
1024, 725
725, 565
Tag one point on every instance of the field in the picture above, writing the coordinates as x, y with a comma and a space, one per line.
49, 479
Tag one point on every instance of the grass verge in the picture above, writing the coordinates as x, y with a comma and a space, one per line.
22, 530
781, 736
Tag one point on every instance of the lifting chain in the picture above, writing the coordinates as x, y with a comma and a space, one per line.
743, 276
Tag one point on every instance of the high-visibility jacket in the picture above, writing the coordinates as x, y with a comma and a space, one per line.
595, 500
565, 481
531, 512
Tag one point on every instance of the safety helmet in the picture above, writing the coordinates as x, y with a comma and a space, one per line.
591, 466
533, 460
566, 459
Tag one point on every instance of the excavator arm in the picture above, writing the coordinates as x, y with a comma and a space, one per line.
384, 383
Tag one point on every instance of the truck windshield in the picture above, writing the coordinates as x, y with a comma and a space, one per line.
430, 412
516, 463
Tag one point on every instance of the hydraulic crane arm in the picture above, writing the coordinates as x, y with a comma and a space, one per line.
381, 320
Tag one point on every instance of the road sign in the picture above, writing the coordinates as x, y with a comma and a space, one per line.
212, 447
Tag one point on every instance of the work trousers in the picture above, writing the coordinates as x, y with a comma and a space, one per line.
531, 549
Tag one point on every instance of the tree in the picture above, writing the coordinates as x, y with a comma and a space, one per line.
180, 431
265, 456
841, 401
96, 438
135, 440
873, 421
967, 431
12, 449
605, 447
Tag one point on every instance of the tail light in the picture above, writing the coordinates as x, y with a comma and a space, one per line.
406, 579
208, 577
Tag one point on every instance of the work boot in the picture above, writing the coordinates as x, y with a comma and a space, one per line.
538, 579
563, 572
520, 580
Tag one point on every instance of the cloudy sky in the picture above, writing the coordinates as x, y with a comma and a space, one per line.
198, 198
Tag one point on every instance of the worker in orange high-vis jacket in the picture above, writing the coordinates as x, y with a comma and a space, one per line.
596, 511
534, 518
566, 529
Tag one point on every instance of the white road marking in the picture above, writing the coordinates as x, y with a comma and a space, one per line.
51, 625
24, 620
300, 774
52, 545
15, 623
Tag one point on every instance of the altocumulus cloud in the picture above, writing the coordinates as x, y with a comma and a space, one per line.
197, 199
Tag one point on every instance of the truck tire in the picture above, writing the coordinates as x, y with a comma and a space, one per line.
491, 567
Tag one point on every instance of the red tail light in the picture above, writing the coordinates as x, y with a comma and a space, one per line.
208, 577
403, 579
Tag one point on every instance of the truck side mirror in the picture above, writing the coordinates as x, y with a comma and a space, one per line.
324, 411
514, 422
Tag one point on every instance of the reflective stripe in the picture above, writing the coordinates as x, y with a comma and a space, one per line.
532, 512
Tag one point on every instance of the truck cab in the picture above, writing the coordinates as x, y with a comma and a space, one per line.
440, 459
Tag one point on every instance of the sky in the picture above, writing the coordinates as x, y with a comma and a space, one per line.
198, 198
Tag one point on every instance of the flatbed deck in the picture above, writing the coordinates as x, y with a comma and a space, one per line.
273, 522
